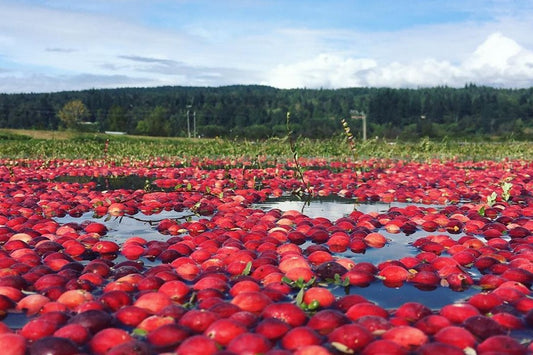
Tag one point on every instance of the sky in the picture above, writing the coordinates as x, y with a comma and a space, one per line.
50, 46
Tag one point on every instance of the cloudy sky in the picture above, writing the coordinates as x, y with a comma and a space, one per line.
55, 45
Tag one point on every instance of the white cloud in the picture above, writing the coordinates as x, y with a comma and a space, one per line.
501, 61
497, 61
325, 70
495, 52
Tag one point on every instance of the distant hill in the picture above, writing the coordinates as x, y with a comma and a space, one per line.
255, 112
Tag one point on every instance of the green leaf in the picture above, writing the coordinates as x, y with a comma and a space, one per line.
506, 187
492, 199
288, 281
247, 269
346, 282
300, 283
300, 297
137, 332
313, 305
310, 282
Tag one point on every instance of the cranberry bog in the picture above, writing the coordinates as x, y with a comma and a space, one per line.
266, 256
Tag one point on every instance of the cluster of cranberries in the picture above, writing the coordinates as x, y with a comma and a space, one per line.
236, 279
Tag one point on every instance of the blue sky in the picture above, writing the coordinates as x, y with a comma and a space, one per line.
73, 45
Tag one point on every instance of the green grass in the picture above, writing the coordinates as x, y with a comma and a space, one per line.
15, 144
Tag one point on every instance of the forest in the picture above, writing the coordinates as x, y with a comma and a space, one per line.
256, 112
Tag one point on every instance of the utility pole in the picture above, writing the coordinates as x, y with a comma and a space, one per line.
188, 122
356, 115
194, 124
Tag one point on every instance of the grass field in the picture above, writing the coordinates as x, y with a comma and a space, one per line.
73, 145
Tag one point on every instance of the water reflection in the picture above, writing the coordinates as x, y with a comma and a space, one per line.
394, 297
331, 208
124, 227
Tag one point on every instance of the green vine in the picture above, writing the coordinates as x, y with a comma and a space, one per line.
294, 152
349, 136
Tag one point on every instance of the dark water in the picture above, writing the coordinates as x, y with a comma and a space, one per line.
131, 182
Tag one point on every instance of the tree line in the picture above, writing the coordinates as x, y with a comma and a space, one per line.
255, 112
